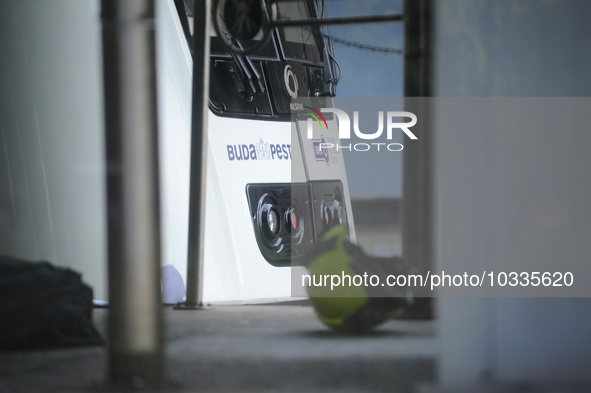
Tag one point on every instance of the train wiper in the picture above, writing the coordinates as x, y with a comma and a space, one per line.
251, 77
257, 74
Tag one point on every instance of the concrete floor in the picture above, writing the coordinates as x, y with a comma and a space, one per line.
281, 347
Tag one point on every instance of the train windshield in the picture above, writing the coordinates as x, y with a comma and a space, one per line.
299, 42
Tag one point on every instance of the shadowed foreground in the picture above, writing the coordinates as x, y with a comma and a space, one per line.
248, 348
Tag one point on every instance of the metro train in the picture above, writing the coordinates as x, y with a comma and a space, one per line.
270, 194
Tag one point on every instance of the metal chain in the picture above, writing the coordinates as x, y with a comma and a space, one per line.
365, 46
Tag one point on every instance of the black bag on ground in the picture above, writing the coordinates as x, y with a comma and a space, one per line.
43, 306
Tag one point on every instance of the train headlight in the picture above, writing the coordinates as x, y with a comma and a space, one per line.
326, 213
288, 218
340, 213
270, 220
273, 222
329, 209
282, 220
293, 218
295, 224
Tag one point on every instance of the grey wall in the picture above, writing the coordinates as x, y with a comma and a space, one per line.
485, 198
51, 145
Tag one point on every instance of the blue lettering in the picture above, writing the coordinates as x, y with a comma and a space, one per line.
272, 151
249, 152
244, 149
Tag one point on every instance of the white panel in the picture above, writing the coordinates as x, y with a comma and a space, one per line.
234, 269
